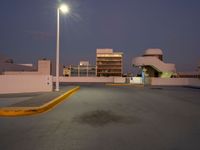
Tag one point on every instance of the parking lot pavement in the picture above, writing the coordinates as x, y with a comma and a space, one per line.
8, 101
111, 118
30, 99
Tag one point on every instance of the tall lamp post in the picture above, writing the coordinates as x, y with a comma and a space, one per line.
64, 9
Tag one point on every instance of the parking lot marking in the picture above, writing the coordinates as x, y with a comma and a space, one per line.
24, 111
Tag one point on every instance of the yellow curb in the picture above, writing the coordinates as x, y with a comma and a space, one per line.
24, 111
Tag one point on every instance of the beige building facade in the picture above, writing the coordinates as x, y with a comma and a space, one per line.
109, 63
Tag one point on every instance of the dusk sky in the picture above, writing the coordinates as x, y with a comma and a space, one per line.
28, 30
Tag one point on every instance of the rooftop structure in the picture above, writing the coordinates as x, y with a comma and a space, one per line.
109, 63
43, 68
152, 63
154, 52
7, 64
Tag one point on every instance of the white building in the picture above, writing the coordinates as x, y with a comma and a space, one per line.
84, 69
152, 62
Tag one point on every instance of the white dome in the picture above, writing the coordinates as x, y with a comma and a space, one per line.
153, 51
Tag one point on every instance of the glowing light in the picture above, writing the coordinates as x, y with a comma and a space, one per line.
109, 55
64, 8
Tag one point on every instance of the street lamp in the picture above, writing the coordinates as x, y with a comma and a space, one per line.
64, 9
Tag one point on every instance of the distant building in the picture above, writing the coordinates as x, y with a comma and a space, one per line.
5, 59
43, 68
152, 64
7, 64
109, 63
194, 74
84, 69
84, 63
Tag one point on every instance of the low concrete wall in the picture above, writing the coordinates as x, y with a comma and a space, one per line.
119, 80
25, 83
86, 79
20, 73
176, 81
194, 82
136, 80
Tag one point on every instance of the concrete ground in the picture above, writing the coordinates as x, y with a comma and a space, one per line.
111, 118
30, 99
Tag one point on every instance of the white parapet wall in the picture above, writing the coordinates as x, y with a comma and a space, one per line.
25, 83
195, 82
86, 79
135, 80
119, 79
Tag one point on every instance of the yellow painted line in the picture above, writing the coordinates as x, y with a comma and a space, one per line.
24, 111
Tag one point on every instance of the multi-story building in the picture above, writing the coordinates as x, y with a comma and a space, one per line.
84, 69
109, 63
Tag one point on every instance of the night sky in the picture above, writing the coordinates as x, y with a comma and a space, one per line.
28, 30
